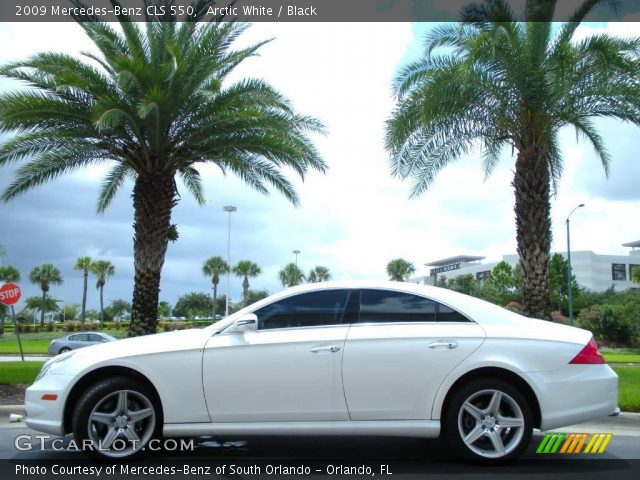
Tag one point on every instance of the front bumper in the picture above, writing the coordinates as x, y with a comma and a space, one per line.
47, 415
575, 394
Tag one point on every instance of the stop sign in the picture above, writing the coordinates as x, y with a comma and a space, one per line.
10, 293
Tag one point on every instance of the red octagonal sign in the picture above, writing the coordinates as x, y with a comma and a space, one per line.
10, 293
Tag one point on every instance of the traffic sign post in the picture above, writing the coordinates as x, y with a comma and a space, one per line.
10, 293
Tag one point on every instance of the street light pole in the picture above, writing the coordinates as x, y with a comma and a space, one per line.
296, 252
569, 289
229, 209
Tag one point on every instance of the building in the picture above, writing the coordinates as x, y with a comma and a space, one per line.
593, 271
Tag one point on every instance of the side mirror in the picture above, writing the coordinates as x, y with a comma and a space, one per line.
246, 323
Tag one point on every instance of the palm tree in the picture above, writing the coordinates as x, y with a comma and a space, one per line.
505, 84
102, 269
7, 274
154, 104
399, 270
319, 274
83, 264
214, 267
246, 269
45, 275
291, 275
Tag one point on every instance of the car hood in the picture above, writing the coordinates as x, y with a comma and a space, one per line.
131, 347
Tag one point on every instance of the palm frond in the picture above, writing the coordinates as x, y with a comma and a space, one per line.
111, 184
193, 181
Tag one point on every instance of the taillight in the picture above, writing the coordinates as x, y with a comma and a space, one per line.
589, 354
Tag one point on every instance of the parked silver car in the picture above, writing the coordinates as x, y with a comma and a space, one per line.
78, 340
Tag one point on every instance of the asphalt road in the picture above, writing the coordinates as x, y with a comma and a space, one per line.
333, 457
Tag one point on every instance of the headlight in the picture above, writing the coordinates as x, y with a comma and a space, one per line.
53, 364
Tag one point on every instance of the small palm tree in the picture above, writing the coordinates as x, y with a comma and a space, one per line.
102, 269
154, 104
83, 264
319, 274
44, 276
399, 270
214, 267
246, 269
512, 85
7, 274
291, 275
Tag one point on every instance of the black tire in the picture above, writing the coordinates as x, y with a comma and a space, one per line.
107, 414
64, 350
476, 430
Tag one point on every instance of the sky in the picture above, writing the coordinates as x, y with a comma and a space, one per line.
353, 219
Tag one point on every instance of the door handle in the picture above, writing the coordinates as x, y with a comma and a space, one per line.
325, 349
443, 344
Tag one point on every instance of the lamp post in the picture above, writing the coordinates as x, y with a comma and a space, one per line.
229, 209
569, 290
296, 252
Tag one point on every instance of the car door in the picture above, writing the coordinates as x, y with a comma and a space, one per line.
289, 369
78, 340
398, 351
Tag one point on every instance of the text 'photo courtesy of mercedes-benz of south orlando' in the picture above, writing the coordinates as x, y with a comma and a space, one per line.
328, 238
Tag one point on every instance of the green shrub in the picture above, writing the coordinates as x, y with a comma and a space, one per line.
614, 325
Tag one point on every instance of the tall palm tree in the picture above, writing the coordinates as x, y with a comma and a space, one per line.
83, 264
246, 269
291, 275
399, 269
504, 84
102, 269
154, 103
8, 273
319, 274
44, 276
214, 267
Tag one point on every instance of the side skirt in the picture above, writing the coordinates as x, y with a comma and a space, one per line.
388, 428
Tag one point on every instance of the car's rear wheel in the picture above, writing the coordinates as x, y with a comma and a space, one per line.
64, 350
118, 416
488, 420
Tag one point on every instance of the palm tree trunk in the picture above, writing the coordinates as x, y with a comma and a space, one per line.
215, 300
531, 182
84, 300
245, 291
154, 196
42, 307
101, 306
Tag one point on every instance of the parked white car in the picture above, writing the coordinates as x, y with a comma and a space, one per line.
335, 358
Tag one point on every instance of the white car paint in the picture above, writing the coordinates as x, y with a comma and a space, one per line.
379, 379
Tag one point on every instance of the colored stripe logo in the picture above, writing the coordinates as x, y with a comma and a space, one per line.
574, 443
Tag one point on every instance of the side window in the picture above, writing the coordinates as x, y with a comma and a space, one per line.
311, 309
95, 338
81, 337
447, 314
383, 306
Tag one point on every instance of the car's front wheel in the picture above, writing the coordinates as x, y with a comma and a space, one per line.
488, 420
117, 416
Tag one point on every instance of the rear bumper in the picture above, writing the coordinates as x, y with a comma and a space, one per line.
575, 394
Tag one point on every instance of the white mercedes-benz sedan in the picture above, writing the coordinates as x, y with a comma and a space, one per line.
334, 358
